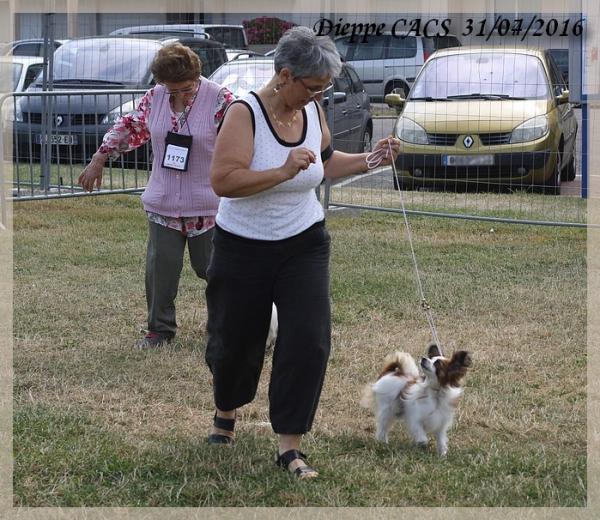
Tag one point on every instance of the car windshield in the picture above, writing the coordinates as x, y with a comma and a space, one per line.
243, 76
12, 71
484, 75
118, 61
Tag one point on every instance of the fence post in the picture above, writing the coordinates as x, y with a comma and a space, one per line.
47, 101
329, 114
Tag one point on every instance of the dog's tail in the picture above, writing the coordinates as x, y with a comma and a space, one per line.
401, 364
398, 364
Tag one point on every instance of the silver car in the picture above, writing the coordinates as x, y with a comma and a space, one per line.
352, 127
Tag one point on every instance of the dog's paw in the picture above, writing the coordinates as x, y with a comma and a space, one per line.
381, 437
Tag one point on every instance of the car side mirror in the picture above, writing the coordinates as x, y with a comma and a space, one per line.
338, 97
394, 100
562, 98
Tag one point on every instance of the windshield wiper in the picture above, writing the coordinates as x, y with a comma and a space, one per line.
428, 98
477, 95
88, 82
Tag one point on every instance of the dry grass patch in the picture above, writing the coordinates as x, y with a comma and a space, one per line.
98, 423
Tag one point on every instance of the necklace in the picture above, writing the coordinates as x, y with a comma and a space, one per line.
279, 121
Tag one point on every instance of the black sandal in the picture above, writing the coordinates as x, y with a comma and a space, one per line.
222, 424
285, 459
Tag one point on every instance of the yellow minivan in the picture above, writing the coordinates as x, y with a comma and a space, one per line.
490, 117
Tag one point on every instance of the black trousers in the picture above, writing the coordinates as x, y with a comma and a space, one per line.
244, 278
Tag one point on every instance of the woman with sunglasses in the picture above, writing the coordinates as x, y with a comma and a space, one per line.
179, 116
271, 244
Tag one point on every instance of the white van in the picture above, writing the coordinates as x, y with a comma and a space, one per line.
232, 36
387, 62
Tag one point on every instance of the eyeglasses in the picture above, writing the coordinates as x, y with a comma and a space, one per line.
185, 90
314, 92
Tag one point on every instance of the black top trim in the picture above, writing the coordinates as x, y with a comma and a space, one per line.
249, 109
318, 114
279, 139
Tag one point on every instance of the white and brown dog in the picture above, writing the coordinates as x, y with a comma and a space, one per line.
425, 403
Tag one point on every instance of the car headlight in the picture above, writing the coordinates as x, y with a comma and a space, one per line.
13, 112
409, 131
530, 130
112, 117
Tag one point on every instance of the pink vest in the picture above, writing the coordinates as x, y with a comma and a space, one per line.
183, 194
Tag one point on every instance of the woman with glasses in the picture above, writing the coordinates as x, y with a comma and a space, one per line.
271, 244
179, 116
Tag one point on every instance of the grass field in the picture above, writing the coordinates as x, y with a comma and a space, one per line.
98, 423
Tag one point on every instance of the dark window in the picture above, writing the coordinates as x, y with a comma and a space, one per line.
343, 46
561, 58
402, 48
556, 77
27, 49
231, 37
32, 73
211, 57
343, 82
372, 50
357, 85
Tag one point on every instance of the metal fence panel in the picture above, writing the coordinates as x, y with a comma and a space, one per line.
54, 134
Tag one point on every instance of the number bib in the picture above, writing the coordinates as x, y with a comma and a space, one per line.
177, 151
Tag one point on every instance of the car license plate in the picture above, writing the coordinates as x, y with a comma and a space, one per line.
61, 139
468, 160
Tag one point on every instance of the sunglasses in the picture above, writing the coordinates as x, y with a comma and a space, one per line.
315, 92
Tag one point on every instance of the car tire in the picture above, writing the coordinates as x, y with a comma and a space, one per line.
552, 185
402, 184
571, 170
367, 145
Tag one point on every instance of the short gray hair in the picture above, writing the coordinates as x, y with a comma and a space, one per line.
307, 55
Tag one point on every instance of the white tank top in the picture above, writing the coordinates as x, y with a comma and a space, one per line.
290, 207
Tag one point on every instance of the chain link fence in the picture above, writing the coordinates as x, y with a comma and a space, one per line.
52, 128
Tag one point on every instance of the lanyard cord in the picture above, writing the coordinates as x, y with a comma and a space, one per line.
186, 111
373, 161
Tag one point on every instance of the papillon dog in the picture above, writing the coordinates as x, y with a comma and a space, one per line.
425, 403
273, 329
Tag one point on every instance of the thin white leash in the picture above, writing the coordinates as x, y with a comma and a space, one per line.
374, 159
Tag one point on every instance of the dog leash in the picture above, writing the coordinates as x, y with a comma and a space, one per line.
373, 161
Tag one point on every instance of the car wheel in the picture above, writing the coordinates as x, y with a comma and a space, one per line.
571, 170
552, 185
366, 141
402, 184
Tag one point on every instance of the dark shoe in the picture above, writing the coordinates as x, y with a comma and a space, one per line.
285, 459
153, 339
222, 424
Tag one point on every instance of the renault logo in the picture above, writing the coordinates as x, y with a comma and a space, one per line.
468, 141
58, 120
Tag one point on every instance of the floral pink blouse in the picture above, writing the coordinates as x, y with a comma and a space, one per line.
131, 131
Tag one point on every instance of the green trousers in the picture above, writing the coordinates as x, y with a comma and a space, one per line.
164, 261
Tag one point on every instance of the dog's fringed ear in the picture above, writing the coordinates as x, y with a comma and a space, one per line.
461, 358
433, 351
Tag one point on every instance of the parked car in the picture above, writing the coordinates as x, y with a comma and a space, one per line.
489, 117
352, 123
21, 70
29, 47
561, 58
237, 54
390, 62
119, 66
232, 36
